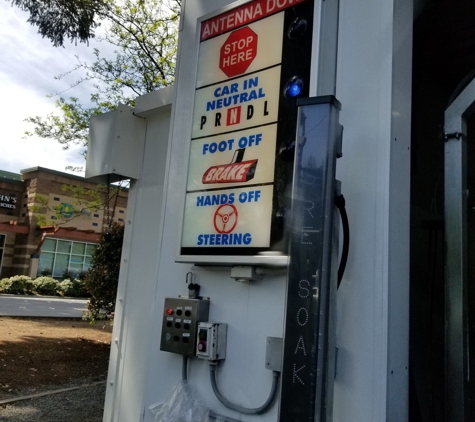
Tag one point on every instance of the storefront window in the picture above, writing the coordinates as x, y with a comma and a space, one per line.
78, 248
49, 245
89, 249
60, 265
64, 246
2, 247
62, 256
46, 263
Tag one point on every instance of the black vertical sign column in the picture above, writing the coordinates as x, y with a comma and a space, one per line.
307, 376
296, 62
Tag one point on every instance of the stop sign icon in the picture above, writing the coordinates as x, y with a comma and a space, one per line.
238, 52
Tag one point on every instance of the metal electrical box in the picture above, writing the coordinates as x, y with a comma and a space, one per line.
211, 343
179, 326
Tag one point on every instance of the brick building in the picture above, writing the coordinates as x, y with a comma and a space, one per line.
26, 248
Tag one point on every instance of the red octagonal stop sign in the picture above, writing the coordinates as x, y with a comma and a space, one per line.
238, 52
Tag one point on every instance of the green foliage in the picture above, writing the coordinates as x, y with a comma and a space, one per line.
72, 288
41, 203
103, 276
71, 126
60, 19
145, 34
39, 208
46, 286
66, 275
82, 276
85, 200
19, 284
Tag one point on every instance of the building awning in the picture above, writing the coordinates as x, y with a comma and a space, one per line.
13, 227
70, 233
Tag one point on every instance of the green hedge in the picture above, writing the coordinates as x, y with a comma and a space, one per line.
44, 285
72, 287
18, 285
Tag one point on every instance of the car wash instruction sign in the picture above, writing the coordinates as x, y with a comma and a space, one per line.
231, 169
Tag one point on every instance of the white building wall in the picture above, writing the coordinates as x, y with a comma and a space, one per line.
373, 86
128, 367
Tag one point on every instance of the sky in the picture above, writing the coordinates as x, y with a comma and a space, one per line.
28, 65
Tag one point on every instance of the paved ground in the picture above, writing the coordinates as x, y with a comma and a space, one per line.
82, 405
34, 306
39, 356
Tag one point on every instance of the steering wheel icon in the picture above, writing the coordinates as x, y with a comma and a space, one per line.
225, 218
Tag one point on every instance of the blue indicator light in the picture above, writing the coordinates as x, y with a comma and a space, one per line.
294, 87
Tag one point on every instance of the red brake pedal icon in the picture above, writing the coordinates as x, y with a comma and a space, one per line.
237, 171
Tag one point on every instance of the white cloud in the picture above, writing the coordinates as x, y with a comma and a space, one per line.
18, 153
31, 60
28, 66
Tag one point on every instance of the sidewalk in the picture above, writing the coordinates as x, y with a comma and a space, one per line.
41, 306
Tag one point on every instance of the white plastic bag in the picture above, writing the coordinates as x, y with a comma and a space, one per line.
181, 406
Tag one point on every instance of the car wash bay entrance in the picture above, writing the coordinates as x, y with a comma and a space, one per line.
442, 331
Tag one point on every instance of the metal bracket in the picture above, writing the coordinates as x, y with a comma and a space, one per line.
453, 135
274, 353
246, 273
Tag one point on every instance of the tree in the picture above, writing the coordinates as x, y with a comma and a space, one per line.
101, 279
59, 19
84, 201
145, 34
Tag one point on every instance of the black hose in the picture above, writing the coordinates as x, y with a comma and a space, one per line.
340, 204
237, 407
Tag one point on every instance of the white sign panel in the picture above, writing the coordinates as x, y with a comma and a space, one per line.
268, 52
238, 104
238, 158
243, 15
228, 218
231, 173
